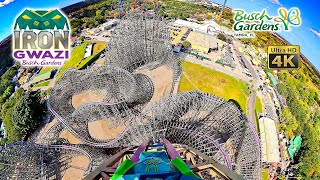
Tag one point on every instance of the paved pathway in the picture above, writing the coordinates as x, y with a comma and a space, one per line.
251, 113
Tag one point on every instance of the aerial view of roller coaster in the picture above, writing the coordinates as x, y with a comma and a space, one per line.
205, 122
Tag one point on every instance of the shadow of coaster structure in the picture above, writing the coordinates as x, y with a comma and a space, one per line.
25, 160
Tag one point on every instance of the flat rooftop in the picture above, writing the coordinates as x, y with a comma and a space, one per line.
269, 140
177, 38
202, 39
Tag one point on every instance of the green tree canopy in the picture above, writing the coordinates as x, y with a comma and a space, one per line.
186, 44
27, 113
222, 37
289, 124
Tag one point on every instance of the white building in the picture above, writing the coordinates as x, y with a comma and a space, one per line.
209, 26
108, 25
269, 140
88, 51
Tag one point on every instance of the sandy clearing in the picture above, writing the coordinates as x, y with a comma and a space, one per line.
76, 171
162, 80
71, 138
45, 129
102, 130
88, 96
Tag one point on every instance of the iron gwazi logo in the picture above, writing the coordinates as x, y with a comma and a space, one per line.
41, 38
244, 23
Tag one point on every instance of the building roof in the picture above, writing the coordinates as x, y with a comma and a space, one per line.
88, 51
240, 49
226, 30
180, 22
269, 140
108, 23
209, 25
43, 76
202, 40
295, 144
177, 38
74, 38
255, 61
176, 49
273, 80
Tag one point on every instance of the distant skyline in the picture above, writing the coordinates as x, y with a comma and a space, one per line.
307, 35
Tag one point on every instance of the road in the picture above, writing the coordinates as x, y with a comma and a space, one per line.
251, 113
255, 81
269, 107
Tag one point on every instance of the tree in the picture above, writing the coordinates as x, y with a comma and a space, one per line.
99, 13
30, 69
81, 38
309, 160
222, 37
186, 44
27, 114
281, 177
3, 141
289, 124
199, 18
299, 109
228, 40
209, 16
21, 115
7, 93
74, 31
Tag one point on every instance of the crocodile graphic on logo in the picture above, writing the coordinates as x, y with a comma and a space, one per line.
41, 38
41, 20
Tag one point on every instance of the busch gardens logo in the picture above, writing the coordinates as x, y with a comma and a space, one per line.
261, 21
41, 38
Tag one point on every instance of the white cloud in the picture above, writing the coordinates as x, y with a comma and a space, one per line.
5, 2
317, 33
275, 2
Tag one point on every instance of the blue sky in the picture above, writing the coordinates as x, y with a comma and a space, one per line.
307, 35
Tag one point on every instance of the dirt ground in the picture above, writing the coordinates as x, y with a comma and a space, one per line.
88, 96
102, 130
44, 130
162, 81
71, 138
77, 169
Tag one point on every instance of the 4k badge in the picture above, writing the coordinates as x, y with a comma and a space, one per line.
283, 57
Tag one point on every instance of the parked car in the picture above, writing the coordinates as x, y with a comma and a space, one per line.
261, 87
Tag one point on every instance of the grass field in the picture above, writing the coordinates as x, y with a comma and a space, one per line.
76, 57
98, 46
264, 174
258, 105
76, 60
46, 69
42, 84
196, 77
